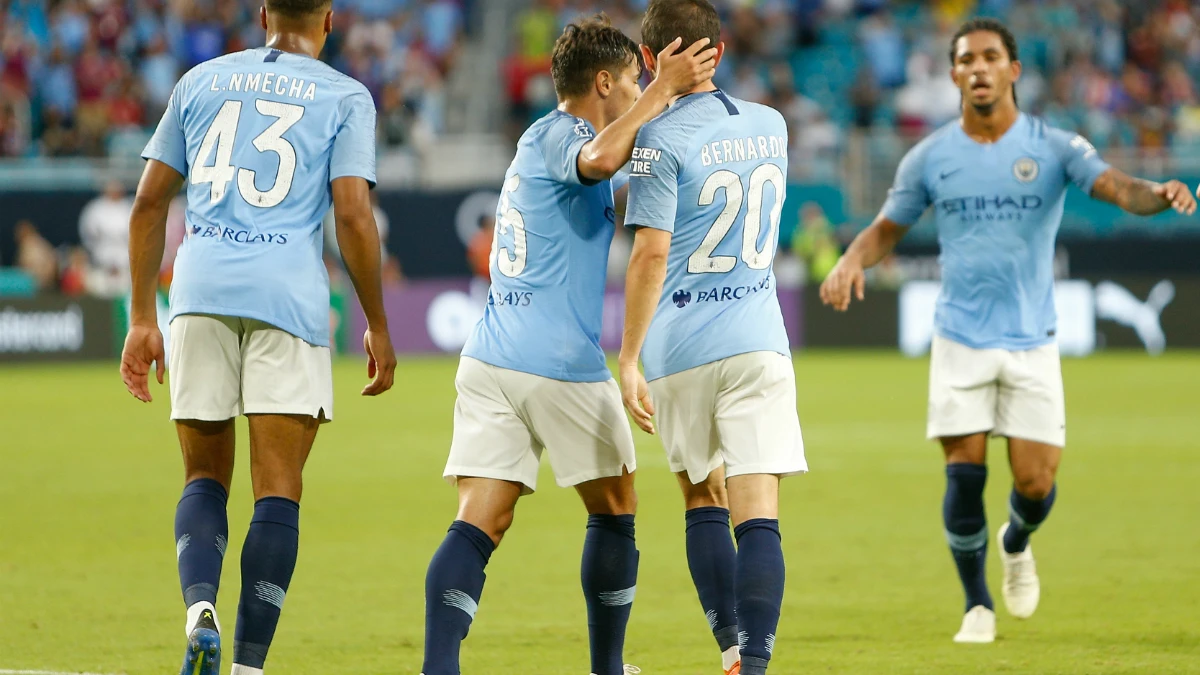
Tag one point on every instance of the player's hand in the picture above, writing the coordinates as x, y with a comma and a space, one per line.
143, 346
680, 72
847, 279
636, 394
381, 362
1178, 195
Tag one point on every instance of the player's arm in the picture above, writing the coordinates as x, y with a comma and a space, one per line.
906, 201
161, 180
653, 201
351, 177
677, 74
147, 238
848, 276
643, 288
358, 240
1143, 197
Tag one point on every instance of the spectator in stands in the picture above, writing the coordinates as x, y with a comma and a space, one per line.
14, 122
814, 243
159, 72
79, 277
865, 97
479, 249
104, 230
884, 47
35, 256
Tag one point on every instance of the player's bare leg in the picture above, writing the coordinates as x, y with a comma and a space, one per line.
609, 567
759, 578
1034, 466
201, 534
712, 558
279, 447
966, 531
454, 582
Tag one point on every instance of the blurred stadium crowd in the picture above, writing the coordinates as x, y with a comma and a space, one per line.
92, 77
1122, 73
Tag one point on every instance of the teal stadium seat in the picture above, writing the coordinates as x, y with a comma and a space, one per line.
15, 282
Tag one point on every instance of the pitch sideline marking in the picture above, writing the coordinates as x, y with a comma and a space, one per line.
47, 673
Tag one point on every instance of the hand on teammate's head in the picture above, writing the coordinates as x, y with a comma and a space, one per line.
683, 70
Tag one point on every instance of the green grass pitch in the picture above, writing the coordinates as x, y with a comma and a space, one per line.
89, 481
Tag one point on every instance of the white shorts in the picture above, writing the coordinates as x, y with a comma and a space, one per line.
503, 419
739, 411
1014, 394
225, 366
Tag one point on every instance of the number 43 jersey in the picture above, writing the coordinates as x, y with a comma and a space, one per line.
549, 260
260, 134
712, 170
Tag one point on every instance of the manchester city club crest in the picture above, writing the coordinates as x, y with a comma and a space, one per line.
1025, 169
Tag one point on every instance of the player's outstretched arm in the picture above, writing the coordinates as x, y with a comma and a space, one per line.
358, 239
678, 73
147, 238
848, 277
1143, 197
643, 288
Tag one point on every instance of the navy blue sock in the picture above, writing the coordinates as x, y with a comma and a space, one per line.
609, 575
759, 591
453, 586
201, 532
268, 559
1025, 516
713, 561
966, 529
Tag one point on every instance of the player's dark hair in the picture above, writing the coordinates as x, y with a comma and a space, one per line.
986, 25
297, 9
691, 20
585, 48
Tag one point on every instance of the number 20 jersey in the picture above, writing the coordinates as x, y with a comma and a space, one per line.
260, 134
549, 260
712, 170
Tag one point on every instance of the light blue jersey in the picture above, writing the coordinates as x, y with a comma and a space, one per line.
712, 170
549, 260
260, 134
997, 208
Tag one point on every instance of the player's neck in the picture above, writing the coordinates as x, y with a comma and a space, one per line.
701, 88
294, 43
989, 126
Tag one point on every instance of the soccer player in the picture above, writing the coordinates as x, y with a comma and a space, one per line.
996, 179
267, 138
705, 195
532, 374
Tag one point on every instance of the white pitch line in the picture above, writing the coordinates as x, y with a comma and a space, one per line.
47, 672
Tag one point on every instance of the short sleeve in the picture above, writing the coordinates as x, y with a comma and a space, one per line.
1080, 161
620, 179
168, 144
653, 182
562, 142
354, 145
908, 198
